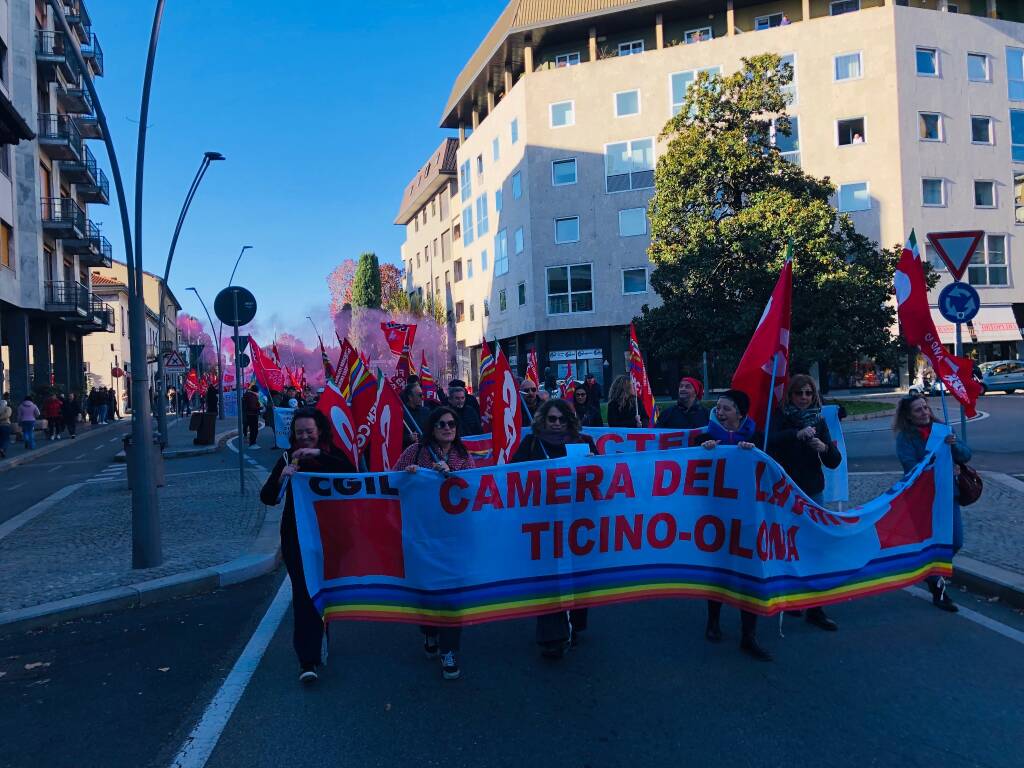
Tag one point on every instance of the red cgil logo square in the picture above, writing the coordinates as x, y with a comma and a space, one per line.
361, 537
909, 519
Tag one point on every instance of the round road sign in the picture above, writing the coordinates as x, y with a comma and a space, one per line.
243, 360
959, 302
235, 306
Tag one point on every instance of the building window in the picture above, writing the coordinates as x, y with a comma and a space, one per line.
632, 222
847, 66
467, 226
634, 280
496, 149
680, 82
933, 192
927, 62
469, 269
562, 114
567, 230
472, 314
501, 253
479, 166
789, 90
465, 181
483, 260
1018, 197
517, 186
487, 308
627, 103
567, 59
417, 259
839, 7
854, 197
629, 165
5, 160
1015, 73
631, 48
460, 312
502, 300
930, 126
850, 131
457, 270
521, 289
446, 245
984, 194
978, 68
498, 200
6, 245
788, 146
698, 35
570, 289
513, 130
563, 172
981, 129
1017, 135
518, 242
988, 264
767, 21
481, 215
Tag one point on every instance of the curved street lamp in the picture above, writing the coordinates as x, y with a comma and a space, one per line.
161, 383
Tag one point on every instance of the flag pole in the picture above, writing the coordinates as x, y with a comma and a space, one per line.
771, 399
945, 413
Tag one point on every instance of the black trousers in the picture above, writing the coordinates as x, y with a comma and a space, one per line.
72, 425
252, 427
554, 627
448, 638
748, 620
308, 628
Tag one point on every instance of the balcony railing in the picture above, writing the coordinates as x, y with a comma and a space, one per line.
60, 136
93, 186
72, 93
53, 52
93, 53
68, 298
102, 313
78, 18
64, 215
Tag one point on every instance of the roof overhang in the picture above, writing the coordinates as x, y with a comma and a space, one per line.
13, 127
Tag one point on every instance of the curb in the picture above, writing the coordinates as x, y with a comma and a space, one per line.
989, 579
261, 559
219, 441
869, 416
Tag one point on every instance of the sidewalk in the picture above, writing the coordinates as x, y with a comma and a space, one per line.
17, 455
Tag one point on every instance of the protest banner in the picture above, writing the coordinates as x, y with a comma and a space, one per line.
283, 427
526, 539
837, 481
231, 404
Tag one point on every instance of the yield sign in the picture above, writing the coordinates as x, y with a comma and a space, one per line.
956, 249
173, 363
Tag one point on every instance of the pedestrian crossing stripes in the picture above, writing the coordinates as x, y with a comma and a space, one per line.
112, 474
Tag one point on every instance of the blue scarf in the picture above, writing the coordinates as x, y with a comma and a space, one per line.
742, 435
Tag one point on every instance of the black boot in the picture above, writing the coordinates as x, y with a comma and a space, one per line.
713, 630
940, 597
751, 647
817, 617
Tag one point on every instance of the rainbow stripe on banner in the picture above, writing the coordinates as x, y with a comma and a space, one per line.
525, 539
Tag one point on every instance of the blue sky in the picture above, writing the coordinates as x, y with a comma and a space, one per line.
324, 116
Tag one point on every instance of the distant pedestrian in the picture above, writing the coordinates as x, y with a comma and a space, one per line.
623, 408
416, 413
70, 412
688, 412
102, 406
785, 22
5, 423
587, 411
113, 412
311, 451
594, 391
93, 406
251, 411
913, 427
468, 416
211, 399
51, 412
28, 412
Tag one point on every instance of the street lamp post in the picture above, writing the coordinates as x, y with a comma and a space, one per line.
161, 385
216, 340
220, 330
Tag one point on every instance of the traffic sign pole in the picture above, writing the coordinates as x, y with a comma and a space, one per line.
960, 353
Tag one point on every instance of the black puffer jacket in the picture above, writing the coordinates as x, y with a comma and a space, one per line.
797, 457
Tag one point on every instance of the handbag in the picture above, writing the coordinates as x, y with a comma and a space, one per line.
970, 485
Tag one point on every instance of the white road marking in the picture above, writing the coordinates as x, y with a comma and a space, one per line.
98, 448
200, 744
978, 618
30, 514
114, 440
54, 469
80, 456
15, 487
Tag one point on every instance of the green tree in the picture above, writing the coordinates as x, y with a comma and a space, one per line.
726, 202
366, 288
398, 301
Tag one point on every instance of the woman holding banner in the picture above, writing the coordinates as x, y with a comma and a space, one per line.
439, 449
732, 426
800, 441
913, 427
554, 427
311, 451
623, 408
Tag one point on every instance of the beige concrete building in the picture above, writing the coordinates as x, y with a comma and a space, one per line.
915, 113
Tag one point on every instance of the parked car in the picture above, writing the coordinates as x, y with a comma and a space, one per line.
1003, 376
937, 387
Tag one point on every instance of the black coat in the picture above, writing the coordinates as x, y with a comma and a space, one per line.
590, 415
675, 417
469, 419
625, 418
797, 457
531, 448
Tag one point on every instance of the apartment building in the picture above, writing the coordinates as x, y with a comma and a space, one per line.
916, 112
49, 242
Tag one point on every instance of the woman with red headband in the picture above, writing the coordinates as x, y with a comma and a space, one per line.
688, 412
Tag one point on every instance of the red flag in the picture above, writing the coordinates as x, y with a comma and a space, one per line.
567, 383
487, 384
274, 353
204, 385
268, 373
918, 329
638, 375
398, 335
768, 348
364, 404
347, 360
427, 378
191, 383
343, 431
328, 368
532, 370
386, 433
403, 370
506, 412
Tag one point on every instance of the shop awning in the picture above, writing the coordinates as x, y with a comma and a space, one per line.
991, 324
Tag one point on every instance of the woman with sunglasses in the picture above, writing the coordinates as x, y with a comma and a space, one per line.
554, 427
311, 451
913, 427
440, 449
800, 441
588, 413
